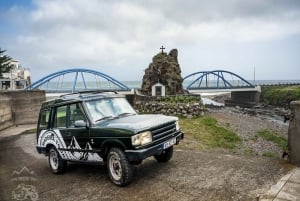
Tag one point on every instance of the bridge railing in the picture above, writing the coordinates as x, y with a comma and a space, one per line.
217, 79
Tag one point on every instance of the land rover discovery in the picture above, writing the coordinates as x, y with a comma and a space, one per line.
102, 127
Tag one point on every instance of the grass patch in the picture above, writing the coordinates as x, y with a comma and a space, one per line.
270, 154
273, 137
209, 134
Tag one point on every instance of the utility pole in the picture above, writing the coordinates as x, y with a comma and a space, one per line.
254, 77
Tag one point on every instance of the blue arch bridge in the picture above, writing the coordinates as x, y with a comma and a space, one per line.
80, 79
77, 79
217, 81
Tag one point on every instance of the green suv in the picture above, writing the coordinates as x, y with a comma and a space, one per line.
102, 127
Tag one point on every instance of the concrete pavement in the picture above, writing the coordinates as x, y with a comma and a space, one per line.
286, 189
16, 130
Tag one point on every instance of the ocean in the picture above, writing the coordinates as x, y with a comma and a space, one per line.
56, 85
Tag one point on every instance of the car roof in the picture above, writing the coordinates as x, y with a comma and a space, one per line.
81, 96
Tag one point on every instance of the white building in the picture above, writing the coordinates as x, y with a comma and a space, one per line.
158, 90
17, 78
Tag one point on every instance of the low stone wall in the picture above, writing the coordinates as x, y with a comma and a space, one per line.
176, 109
20, 107
6, 115
294, 134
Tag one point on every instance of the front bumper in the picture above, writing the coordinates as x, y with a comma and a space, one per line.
136, 155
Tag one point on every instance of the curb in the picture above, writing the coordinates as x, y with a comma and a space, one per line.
287, 188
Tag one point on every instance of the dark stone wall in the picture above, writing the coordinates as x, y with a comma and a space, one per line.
243, 98
177, 109
294, 134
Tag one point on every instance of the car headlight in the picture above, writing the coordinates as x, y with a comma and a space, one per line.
141, 139
177, 125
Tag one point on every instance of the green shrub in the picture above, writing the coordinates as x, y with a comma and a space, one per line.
280, 95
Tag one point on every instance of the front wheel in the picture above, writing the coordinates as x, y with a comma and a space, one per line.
119, 168
165, 156
56, 163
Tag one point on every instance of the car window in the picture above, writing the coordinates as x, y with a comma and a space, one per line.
108, 107
61, 117
44, 119
76, 113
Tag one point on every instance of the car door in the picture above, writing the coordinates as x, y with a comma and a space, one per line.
75, 138
80, 135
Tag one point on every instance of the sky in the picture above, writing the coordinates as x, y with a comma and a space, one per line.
120, 37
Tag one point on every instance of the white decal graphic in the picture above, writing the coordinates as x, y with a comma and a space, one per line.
55, 138
92, 156
76, 154
86, 156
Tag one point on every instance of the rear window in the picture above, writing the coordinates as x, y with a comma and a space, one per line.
61, 117
44, 119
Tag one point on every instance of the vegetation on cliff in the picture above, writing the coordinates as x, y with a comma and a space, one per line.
280, 95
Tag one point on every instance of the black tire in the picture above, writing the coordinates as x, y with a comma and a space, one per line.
165, 156
119, 169
57, 165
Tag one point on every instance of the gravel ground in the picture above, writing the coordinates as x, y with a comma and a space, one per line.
246, 126
192, 174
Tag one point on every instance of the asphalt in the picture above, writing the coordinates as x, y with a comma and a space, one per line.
286, 189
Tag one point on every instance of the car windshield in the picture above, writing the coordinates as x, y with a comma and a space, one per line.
107, 108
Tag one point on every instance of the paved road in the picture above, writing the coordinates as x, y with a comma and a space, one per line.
190, 175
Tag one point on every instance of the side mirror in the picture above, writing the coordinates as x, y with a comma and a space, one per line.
80, 123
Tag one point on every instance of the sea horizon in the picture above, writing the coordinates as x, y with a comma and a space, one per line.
137, 84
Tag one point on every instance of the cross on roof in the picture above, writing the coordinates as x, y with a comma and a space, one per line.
162, 49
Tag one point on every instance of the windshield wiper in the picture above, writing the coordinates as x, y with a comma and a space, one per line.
103, 118
126, 114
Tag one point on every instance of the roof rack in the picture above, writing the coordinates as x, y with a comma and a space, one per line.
81, 94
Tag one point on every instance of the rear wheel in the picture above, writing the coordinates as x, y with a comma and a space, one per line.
165, 156
56, 163
119, 168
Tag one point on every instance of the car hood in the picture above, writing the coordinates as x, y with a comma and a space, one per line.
137, 123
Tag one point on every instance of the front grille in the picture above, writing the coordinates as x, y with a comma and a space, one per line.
163, 132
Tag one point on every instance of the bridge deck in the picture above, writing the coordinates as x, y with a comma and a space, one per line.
197, 91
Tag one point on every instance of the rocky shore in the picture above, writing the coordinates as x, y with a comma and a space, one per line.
246, 122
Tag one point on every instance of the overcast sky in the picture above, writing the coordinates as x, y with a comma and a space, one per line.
119, 38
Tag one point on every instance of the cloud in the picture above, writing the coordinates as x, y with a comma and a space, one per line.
116, 35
